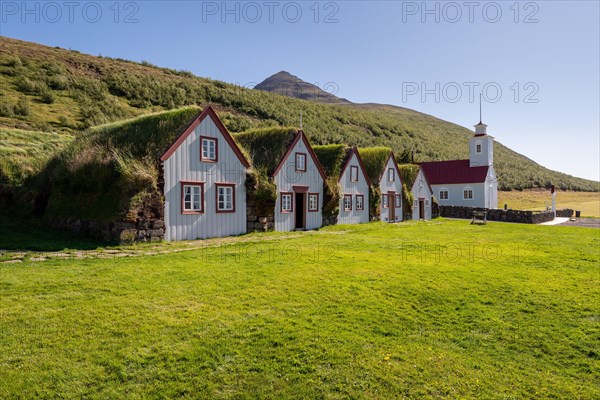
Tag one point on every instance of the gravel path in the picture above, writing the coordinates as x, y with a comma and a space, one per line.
584, 222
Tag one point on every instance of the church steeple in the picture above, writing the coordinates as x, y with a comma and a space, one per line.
480, 129
481, 145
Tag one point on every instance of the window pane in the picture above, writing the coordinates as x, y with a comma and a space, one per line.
229, 198
209, 148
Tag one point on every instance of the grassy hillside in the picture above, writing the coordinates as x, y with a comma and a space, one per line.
51, 89
334, 318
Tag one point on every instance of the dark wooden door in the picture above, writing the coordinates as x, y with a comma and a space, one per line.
300, 211
392, 205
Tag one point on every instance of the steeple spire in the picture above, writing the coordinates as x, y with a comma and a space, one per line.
480, 128
480, 119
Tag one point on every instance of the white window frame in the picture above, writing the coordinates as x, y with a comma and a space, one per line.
226, 188
313, 202
196, 198
465, 191
391, 175
206, 150
446, 192
348, 207
353, 173
300, 166
290, 206
361, 206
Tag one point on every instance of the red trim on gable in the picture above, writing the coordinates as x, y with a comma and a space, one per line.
208, 111
354, 151
301, 135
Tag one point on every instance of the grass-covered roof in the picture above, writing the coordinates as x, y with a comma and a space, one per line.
374, 159
332, 157
266, 147
408, 174
111, 171
148, 135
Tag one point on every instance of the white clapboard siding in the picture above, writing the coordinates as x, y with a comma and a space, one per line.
361, 187
421, 191
386, 186
286, 178
185, 165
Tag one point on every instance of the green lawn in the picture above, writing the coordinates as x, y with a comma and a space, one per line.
415, 310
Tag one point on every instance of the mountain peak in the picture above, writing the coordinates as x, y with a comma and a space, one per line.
286, 84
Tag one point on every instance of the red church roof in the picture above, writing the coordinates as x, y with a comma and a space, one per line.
454, 171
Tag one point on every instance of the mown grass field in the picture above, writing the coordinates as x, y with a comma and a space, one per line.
587, 202
415, 310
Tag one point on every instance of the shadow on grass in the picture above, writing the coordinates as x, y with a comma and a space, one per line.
32, 235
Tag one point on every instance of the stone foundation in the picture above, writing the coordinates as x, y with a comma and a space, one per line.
114, 232
330, 220
260, 217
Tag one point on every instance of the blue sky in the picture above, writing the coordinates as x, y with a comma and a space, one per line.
543, 56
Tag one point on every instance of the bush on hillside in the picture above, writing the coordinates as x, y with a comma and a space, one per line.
25, 85
47, 96
6, 110
22, 107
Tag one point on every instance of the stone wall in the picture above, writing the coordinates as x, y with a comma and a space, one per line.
435, 209
523, 217
114, 232
330, 220
565, 212
260, 216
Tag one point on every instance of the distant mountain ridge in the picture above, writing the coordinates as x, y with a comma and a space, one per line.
286, 84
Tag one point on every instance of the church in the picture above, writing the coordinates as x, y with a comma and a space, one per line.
470, 183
